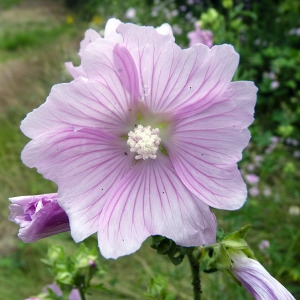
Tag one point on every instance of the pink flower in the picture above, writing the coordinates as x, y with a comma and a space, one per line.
39, 216
274, 85
254, 191
252, 178
144, 138
74, 295
263, 245
200, 36
255, 278
130, 13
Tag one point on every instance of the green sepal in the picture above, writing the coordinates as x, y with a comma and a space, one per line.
54, 254
64, 278
220, 259
161, 244
236, 241
165, 246
217, 256
83, 256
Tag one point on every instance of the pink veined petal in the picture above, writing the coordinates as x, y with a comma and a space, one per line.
200, 36
105, 100
112, 65
145, 45
90, 36
165, 29
127, 72
75, 71
110, 32
172, 79
151, 200
208, 75
39, 216
74, 294
205, 147
80, 103
86, 165
257, 280
228, 119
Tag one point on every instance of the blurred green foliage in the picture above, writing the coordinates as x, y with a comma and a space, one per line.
5, 4
12, 40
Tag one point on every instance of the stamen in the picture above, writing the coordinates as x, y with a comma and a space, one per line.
144, 141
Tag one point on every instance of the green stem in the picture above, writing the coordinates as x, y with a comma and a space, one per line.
82, 294
196, 282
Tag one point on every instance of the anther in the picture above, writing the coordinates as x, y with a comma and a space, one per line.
144, 141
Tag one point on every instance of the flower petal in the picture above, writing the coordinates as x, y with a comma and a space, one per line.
105, 100
200, 36
257, 280
39, 216
151, 200
165, 29
205, 147
110, 32
113, 66
75, 71
85, 164
80, 103
90, 36
172, 78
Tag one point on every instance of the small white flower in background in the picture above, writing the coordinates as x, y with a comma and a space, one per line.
292, 142
295, 31
176, 29
250, 167
258, 159
294, 210
296, 154
274, 85
267, 192
130, 13
270, 75
254, 191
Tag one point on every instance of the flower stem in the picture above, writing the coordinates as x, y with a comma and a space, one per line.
196, 282
82, 294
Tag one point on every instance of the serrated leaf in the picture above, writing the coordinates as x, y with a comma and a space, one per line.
239, 234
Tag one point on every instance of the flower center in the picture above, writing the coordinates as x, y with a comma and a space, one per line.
144, 141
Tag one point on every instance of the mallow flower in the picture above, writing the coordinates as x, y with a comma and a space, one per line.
74, 294
144, 139
256, 279
39, 216
200, 36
